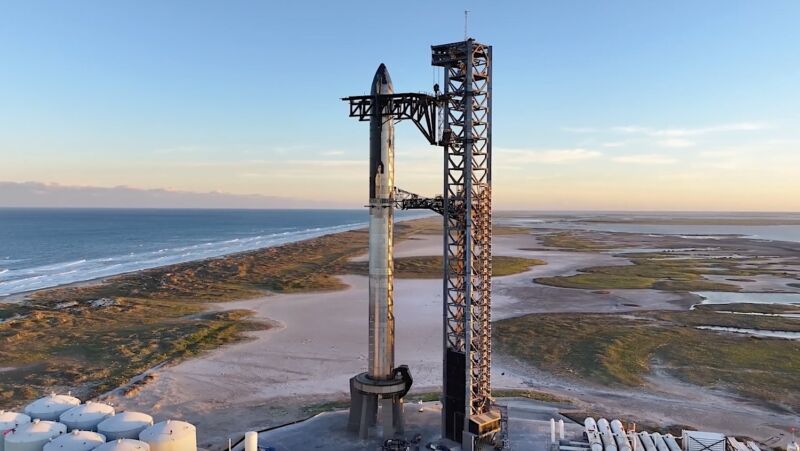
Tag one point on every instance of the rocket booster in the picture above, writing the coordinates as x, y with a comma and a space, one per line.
381, 212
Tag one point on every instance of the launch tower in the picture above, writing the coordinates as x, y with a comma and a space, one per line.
465, 124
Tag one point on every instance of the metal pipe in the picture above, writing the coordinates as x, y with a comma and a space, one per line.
381, 211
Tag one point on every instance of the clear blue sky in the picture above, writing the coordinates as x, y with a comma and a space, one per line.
593, 99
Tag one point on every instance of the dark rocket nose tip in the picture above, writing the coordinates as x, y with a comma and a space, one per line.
382, 82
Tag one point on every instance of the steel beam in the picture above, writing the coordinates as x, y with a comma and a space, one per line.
466, 137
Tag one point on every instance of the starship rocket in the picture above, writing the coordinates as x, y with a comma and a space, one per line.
381, 211
376, 395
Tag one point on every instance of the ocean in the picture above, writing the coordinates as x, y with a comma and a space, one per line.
42, 248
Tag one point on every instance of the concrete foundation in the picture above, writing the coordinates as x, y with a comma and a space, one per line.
377, 405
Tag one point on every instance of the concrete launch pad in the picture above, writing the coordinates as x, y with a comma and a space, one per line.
529, 429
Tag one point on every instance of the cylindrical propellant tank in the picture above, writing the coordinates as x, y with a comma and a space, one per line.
672, 444
9, 421
51, 407
592, 435
619, 434
33, 436
87, 416
636, 442
609, 444
381, 212
76, 441
647, 441
124, 425
251, 441
170, 435
124, 444
658, 440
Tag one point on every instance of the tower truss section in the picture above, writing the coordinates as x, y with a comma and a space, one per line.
468, 416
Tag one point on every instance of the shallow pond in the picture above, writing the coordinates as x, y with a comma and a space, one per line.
722, 297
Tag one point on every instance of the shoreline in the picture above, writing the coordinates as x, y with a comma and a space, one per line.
21, 295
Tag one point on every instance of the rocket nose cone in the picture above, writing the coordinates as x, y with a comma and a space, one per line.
382, 83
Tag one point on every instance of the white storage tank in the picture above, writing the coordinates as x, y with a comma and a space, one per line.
76, 441
124, 425
170, 435
33, 436
11, 420
51, 407
87, 416
124, 444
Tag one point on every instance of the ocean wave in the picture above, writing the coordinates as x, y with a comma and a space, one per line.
28, 279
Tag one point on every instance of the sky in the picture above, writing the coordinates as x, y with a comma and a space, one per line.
598, 105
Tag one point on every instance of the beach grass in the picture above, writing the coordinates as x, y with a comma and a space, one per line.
571, 241
430, 267
621, 351
656, 272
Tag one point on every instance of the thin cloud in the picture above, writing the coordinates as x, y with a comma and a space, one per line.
629, 129
645, 159
719, 153
737, 127
676, 143
673, 132
548, 156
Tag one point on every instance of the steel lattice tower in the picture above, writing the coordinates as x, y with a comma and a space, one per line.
467, 195
468, 415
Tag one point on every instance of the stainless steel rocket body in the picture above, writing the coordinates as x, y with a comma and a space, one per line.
381, 211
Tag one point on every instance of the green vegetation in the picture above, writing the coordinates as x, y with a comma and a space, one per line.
430, 267
571, 241
658, 272
91, 351
327, 406
530, 394
621, 351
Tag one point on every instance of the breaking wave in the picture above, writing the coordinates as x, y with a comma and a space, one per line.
14, 281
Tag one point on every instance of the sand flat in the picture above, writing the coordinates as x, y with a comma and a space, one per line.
320, 340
